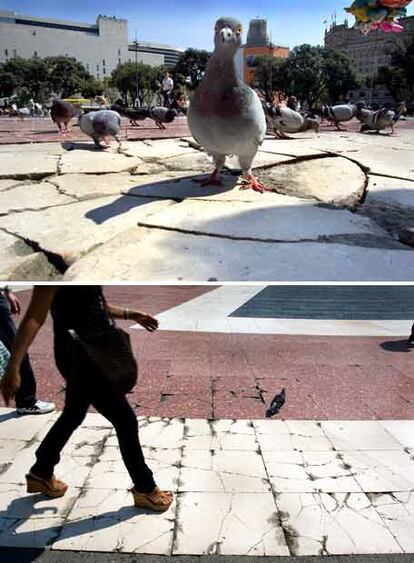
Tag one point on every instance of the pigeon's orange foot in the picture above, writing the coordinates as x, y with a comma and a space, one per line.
253, 184
213, 180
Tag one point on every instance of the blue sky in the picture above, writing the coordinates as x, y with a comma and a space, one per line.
186, 23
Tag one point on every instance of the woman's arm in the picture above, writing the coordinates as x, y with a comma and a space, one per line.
40, 303
145, 320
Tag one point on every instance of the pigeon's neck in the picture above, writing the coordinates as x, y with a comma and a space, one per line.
221, 72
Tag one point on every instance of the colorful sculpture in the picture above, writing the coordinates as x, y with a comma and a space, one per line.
378, 14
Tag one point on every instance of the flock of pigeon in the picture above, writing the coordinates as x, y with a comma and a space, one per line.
226, 116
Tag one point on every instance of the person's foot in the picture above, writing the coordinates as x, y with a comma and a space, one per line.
50, 487
157, 500
40, 407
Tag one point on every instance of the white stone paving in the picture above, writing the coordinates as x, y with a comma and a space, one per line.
76, 206
262, 487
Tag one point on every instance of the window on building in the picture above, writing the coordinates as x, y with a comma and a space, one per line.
14, 53
97, 68
35, 54
6, 52
103, 62
119, 52
33, 32
104, 71
119, 61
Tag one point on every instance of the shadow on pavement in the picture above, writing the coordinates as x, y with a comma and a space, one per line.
397, 346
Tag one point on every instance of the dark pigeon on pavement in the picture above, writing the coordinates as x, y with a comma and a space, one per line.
276, 404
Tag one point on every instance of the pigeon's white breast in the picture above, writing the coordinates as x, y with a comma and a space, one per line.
235, 135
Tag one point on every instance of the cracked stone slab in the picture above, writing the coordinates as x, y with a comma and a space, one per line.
15, 427
397, 511
201, 434
333, 524
72, 470
145, 254
381, 471
221, 471
294, 147
335, 181
9, 448
277, 435
308, 472
278, 219
87, 442
105, 520
389, 191
72, 230
19, 505
110, 472
157, 150
95, 162
34, 267
228, 524
157, 432
32, 532
32, 166
90, 186
349, 435
7, 184
35, 149
384, 158
31, 197
401, 430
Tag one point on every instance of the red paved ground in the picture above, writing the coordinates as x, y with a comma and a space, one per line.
187, 374
13, 130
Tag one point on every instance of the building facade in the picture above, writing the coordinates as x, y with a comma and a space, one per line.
257, 44
100, 47
368, 52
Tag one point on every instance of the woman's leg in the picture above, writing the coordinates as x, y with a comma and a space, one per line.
118, 411
48, 453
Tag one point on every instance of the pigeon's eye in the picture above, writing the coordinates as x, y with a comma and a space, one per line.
239, 30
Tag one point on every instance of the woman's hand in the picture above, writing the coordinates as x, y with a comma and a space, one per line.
13, 302
10, 384
145, 320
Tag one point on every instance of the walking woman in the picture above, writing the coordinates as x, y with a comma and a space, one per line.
82, 310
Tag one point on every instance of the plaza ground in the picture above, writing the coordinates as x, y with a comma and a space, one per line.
341, 209
332, 474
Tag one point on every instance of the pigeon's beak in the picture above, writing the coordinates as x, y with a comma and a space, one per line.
227, 35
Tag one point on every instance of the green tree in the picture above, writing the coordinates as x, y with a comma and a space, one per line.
271, 75
29, 78
398, 76
340, 76
7, 82
149, 81
66, 75
190, 68
92, 87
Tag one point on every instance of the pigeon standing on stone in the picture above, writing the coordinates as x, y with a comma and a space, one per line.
276, 404
100, 125
282, 120
61, 113
376, 120
225, 115
339, 114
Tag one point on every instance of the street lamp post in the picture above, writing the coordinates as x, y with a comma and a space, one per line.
136, 71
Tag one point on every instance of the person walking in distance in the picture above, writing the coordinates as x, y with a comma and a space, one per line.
26, 400
167, 89
83, 311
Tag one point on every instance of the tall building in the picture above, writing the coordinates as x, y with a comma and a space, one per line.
100, 47
257, 44
368, 52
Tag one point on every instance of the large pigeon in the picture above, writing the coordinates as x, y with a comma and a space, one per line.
61, 113
100, 125
339, 113
225, 115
